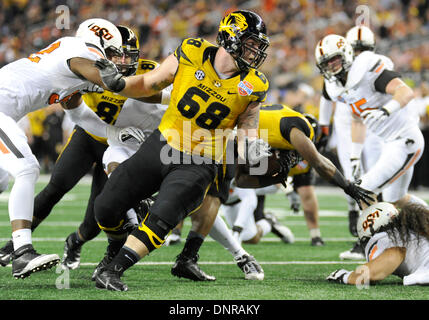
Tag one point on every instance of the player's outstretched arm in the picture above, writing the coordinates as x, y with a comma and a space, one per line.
144, 85
327, 170
375, 270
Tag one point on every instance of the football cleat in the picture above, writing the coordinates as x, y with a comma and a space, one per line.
71, 257
279, 230
6, 253
188, 268
353, 219
317, 242
356, 253
101, 266
26, 260
110, 280
251, 268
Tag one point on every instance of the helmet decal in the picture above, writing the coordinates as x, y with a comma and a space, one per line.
233, 24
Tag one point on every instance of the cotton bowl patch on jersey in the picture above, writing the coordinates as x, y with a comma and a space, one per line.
245, 88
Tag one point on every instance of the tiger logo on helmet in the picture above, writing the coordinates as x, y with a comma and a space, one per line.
235, 30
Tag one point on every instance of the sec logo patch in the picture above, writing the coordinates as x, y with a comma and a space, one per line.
199, 75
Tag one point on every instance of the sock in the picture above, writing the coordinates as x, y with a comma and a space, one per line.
74, 240
314, 233
21, 238
125, 259
259, 211
265, 226
223, 235
115, 245
193, 244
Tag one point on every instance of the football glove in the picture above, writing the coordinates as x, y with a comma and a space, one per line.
356, 171
110, 75
374, 118
359, 194
339, 276
92, 87
288, 159
256, 150
324, 139
119, 136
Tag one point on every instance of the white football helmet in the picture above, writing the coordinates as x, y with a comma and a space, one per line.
361, 38
373, 218
102, 34
330, 47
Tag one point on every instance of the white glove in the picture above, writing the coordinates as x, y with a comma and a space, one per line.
117, 135
339, 276
374, 118
256, 150
92, 87
356, 170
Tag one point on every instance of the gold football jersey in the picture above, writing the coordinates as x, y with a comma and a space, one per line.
274, 116
277, 119
204, 108
107, 105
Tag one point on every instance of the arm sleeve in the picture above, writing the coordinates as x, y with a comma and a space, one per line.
384, 78
287, 123
325, 111
88, 120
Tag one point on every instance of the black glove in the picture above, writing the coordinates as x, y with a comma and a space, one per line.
288, 159
110, 75
359, 194
324, 139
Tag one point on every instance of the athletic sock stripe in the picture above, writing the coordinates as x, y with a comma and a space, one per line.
411, 158
10, 145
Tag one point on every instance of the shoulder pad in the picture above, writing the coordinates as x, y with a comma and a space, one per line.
192, 50
334, 89
360, 66
259, 84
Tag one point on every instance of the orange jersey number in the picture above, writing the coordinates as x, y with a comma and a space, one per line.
34, 58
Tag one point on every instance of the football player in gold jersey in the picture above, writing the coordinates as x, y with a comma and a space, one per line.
83, 150
215, 88
291, 134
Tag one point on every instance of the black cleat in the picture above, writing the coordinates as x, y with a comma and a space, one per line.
317, 242
26, 260
6, 253
101, 266
188, 268
353, 219
71, 257
355, 253
110, 280
251, 268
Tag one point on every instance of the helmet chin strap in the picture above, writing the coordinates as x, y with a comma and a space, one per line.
342, 76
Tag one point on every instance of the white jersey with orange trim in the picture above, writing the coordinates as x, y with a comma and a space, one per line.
43, 78
416, 258
359, 94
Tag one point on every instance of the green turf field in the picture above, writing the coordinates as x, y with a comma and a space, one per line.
292, 271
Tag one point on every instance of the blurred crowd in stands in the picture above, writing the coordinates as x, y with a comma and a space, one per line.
294, 26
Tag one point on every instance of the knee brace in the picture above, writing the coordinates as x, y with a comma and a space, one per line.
152, 232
